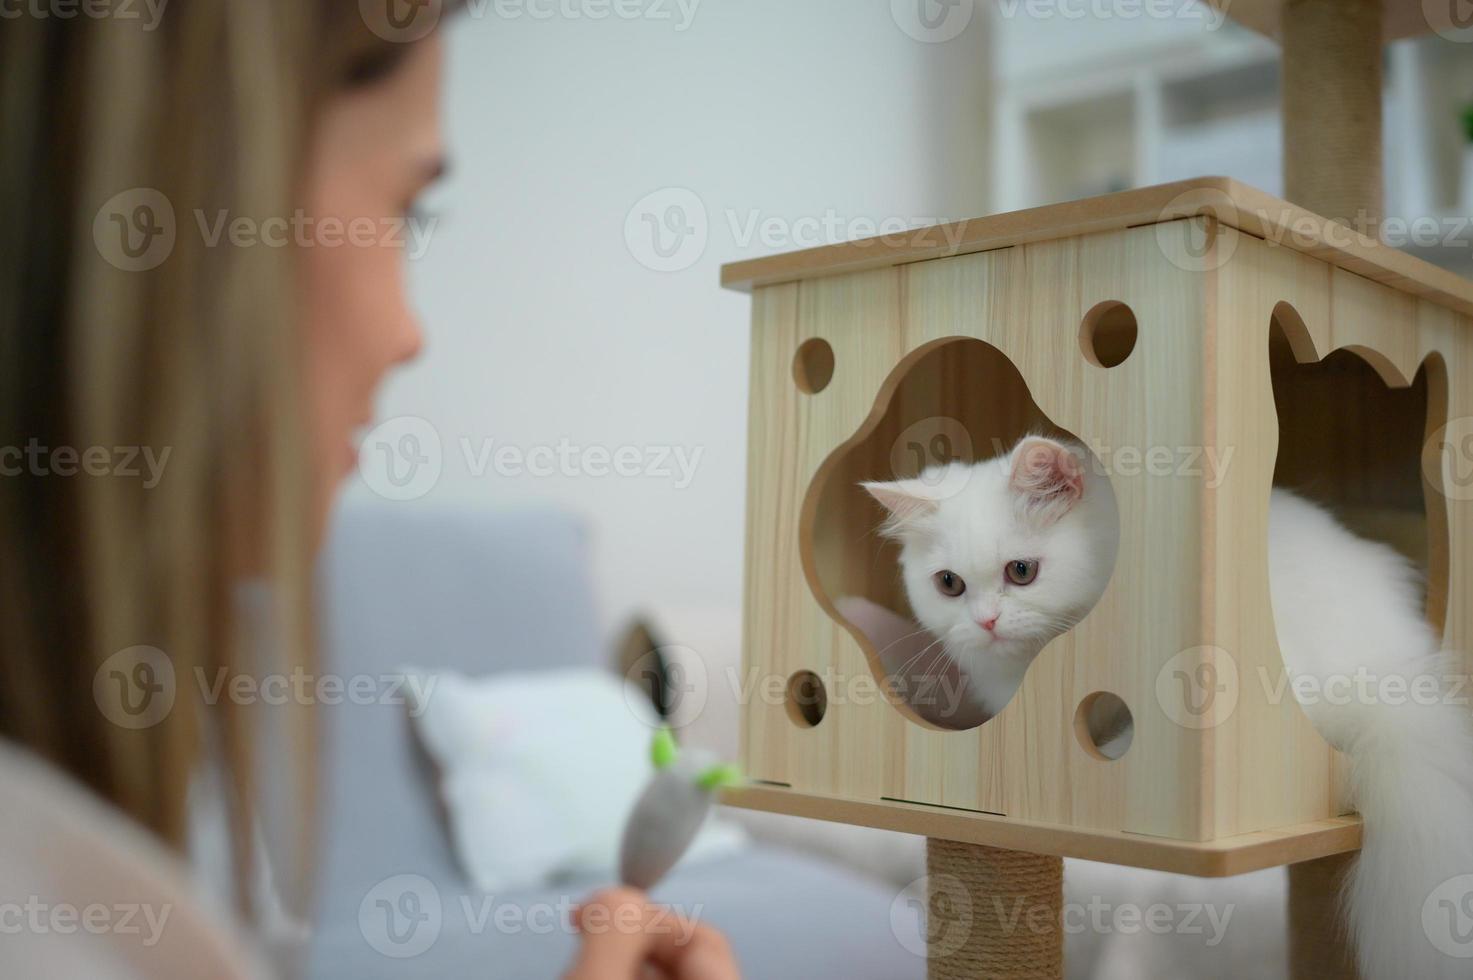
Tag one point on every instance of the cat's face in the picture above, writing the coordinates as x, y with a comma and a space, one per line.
1002, 556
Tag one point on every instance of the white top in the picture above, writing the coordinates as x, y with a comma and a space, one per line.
85, 892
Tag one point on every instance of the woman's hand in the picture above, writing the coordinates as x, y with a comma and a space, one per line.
626, 938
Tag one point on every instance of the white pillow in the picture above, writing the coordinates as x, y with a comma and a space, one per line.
539, 771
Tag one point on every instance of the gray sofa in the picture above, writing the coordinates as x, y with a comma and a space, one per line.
482, 592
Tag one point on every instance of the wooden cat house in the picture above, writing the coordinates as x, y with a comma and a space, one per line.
1205, 341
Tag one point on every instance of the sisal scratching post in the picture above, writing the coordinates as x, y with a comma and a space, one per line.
993, 914
1332, 109
1318, 946
1332, 166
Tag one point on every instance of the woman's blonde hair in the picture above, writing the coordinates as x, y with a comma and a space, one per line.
112, 572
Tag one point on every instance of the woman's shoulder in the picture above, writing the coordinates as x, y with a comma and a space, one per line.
86, 892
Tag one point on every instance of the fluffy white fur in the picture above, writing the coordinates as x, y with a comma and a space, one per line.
972, 520
1343, 608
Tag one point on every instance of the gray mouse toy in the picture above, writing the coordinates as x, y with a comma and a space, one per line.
670, 812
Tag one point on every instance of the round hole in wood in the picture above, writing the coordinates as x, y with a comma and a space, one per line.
1104, 726
807, 699
1108, 335
813, 366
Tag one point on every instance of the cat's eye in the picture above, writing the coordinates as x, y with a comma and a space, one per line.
1022, 572
949, 583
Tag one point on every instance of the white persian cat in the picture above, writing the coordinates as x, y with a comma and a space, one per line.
1002, 556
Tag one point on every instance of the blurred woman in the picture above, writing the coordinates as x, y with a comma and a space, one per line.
190, 336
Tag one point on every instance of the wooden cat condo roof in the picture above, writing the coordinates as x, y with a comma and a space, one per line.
1226, 200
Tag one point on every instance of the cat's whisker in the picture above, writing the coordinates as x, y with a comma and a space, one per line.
903, 668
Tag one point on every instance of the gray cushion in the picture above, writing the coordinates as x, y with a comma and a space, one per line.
439, 587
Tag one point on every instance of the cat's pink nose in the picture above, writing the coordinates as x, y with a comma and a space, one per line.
988, 624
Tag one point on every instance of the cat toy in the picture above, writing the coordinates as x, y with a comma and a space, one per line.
671, 810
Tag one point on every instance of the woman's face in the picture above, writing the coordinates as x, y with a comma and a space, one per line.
375, 150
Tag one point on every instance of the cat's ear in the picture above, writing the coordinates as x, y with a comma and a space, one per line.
905, 501
1048, 478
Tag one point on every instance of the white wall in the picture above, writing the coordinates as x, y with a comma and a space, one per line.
542, 324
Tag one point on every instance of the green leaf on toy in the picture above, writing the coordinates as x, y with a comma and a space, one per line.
719, 777
663, 749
